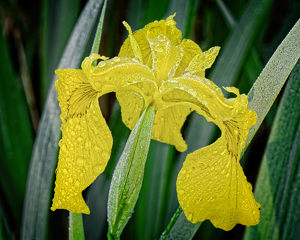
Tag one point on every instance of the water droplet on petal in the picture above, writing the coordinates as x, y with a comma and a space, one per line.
101, 64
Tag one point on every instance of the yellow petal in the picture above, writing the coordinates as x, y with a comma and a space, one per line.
133, 82
211, 184
166, 57
166, 27
190, 49
116, 73
86, 140
203, 61
132, 104
167, 126
198, 93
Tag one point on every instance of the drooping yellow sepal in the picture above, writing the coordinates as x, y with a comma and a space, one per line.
86, 140
211, 184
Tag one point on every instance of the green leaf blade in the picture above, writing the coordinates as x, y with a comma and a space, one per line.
128, 174
44, 157
57, 20
277, 187
16, 138
233, 54
269, 83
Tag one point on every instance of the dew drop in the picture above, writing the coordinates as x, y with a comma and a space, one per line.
101, 64
159, 49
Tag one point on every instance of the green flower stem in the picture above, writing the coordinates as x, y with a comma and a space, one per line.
75, 226
128, 175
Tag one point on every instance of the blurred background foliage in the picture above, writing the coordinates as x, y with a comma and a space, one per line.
33, 37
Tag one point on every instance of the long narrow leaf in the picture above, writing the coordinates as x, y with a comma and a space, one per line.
269, 83
235, 51
180, 7
16, 137
128, 174
57, 21
278, 182
44, 157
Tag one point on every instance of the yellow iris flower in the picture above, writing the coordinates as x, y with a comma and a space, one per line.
155, 66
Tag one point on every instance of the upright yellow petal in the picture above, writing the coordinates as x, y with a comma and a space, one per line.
202, 61
86, 140
166, 57
190, 49
211, 184
165, 27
